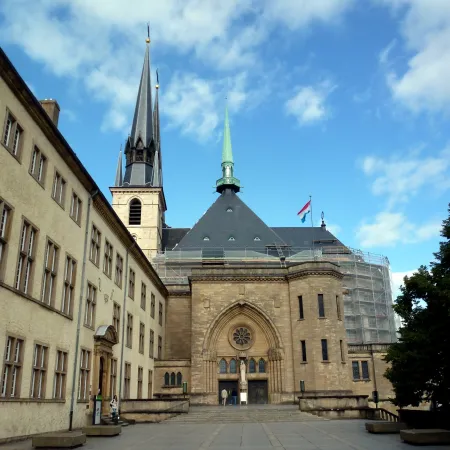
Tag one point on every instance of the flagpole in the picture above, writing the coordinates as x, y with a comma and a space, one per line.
312, 227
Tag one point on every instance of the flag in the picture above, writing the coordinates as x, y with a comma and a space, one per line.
304, 211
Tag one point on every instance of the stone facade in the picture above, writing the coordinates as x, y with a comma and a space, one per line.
43, 337
202, 317
148, 235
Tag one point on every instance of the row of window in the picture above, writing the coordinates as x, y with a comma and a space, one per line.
12, 139
94, 256
172, 380
232, 366
129, 333
13, 369
320, 307
140, 382
324, 347
25, 268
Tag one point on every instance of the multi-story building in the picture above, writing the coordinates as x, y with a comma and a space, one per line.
81, 307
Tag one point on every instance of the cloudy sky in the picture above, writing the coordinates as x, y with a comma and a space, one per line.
344, 100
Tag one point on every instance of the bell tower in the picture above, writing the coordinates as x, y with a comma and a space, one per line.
138, 195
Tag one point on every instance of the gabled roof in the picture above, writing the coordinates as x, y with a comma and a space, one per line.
229, 223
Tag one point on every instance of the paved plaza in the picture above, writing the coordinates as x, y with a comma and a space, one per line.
285, 428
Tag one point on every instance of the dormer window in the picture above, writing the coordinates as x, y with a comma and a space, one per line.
256, 238
229, 209
206, 238
231, 238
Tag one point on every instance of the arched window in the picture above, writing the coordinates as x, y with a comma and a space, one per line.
233, 367
223, 366
172, 379
252, 366
262, 366
166, 379
179, 379
135, 212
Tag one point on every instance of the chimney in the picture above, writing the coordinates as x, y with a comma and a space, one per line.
51, 107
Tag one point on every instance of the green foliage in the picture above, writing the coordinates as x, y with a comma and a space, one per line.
420, 362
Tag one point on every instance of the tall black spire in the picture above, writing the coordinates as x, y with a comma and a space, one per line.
157, 163
140, 147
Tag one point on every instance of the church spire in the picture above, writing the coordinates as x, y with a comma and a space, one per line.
228, 181
140, 148
157, 164
118, 182
142, 121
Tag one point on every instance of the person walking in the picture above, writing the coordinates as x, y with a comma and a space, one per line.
224, 395
234, 395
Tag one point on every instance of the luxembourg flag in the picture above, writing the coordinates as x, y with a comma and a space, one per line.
304, 211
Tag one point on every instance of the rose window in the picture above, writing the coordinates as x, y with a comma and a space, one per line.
242, 336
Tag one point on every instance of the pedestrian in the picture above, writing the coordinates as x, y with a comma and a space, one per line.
234, 395
113, 405
224, 395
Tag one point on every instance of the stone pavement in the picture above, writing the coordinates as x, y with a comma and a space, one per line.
310, 435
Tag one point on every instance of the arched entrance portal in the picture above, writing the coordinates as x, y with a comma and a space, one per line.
105, 338
243, 333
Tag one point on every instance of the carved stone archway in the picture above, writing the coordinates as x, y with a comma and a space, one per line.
105, 338
218, 327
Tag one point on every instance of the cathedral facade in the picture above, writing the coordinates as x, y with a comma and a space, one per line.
104, 299
284, 301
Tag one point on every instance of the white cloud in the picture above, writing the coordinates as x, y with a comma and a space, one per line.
100, 43
425, 28
308, 104
334, 228
301, 13
390, 229
399, 178
196, 105
397, 281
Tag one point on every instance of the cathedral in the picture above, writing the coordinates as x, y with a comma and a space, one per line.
103, 298
284, 301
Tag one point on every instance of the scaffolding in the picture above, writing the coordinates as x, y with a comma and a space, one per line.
369, 317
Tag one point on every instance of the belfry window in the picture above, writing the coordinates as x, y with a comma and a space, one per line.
135, 212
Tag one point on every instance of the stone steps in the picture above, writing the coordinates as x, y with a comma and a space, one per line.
230, 415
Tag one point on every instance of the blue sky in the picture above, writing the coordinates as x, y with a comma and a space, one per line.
344, 100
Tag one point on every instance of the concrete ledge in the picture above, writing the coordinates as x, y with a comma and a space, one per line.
385, 427
59, 440
425, 437
102, 430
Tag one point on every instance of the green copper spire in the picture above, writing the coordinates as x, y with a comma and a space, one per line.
227, 181
227, 152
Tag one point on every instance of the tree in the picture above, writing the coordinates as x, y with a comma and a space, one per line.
420, 361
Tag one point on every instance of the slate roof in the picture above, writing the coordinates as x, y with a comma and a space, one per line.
229, 223
218, 224
303, 236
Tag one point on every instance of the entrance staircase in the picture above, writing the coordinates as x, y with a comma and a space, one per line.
244, 414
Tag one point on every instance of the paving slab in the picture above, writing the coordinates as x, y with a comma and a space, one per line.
316, 434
